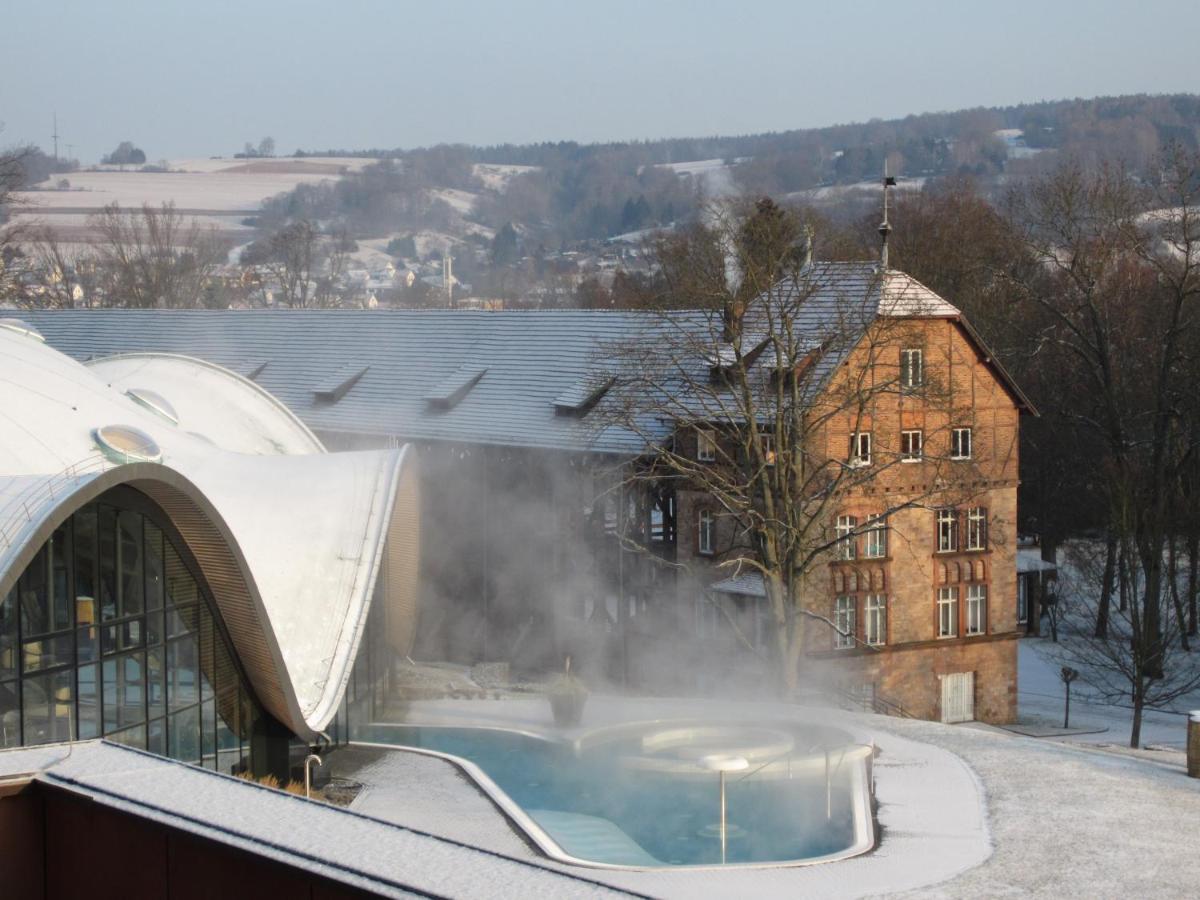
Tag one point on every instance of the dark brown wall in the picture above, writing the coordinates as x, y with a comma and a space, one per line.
58, 845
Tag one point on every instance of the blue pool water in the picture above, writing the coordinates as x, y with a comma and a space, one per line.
598, 804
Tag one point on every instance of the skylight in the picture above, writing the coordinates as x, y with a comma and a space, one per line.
583, 394
155, 402
126, 444
339, 382
450, 392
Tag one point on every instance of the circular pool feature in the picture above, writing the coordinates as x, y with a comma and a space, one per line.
22, 327
155, 402
662, 794
126, 444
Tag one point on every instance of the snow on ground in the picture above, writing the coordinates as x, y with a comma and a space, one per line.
462, 201
833, 191
713, 174
495, 177
1041, 699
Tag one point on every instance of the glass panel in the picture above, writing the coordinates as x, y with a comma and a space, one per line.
10, 715
156, 740
182, 672
132, 600
84, 525
155, 685
88, 679
226, 673
46, 652
183, 735
31, 589
106, 542
155, 573
87, 643
228, 746
182, 620
130, 737
60, 581
8, 636
124, 691
48, 707
206, 653
208, 734
125, 635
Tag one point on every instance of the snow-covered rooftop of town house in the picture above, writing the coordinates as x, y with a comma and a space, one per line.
382, 857
302, 563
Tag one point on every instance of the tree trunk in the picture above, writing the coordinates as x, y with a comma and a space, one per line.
1193, 551
1135, 734
1123, 582
1173, 577
1106, 587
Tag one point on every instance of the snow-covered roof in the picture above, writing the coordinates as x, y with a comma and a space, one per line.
290, 538
1029, 559
746, 584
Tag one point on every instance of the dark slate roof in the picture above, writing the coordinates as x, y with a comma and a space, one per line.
511, 378
529, 360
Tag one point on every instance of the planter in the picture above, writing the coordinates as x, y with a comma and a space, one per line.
567, 707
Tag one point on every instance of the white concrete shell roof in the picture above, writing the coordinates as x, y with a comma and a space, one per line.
291, 545
232, 411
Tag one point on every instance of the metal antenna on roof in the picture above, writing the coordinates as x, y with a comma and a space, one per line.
885, 227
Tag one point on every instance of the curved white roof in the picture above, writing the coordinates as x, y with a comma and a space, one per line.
231, 411
292, 544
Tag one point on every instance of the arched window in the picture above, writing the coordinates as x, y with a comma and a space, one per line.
118, 637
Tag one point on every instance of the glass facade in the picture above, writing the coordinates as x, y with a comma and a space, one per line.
110, 632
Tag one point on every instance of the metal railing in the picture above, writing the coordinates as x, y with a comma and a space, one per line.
18, 510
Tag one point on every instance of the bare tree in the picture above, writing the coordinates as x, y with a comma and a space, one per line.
303, 265
1116, 298
779, 375
153, 257
12, 177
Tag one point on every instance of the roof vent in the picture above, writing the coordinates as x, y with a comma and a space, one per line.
450, 392
21, 327
126, 444
155, 402
338, 384
585, 393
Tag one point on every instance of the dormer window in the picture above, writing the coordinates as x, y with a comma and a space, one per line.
912, 368
706, 445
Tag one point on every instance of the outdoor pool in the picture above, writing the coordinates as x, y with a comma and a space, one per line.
648, 794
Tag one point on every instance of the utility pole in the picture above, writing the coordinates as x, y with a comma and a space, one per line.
55, 135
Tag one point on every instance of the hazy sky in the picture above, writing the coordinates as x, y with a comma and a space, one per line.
201, 78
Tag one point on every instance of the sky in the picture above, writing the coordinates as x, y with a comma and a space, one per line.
202, 78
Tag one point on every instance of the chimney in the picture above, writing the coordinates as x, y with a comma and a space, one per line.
885, 227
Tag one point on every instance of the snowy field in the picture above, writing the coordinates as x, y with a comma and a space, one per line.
495, 177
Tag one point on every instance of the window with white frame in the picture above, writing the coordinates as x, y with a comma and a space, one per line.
875, 612
860, 449
876, 538
912, 369
847, 546
947, 530
912, 446
1022, 600
977, 528
843, 621
706, 445
947, 607
960, 443
705, 532
768, 447
976, 609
